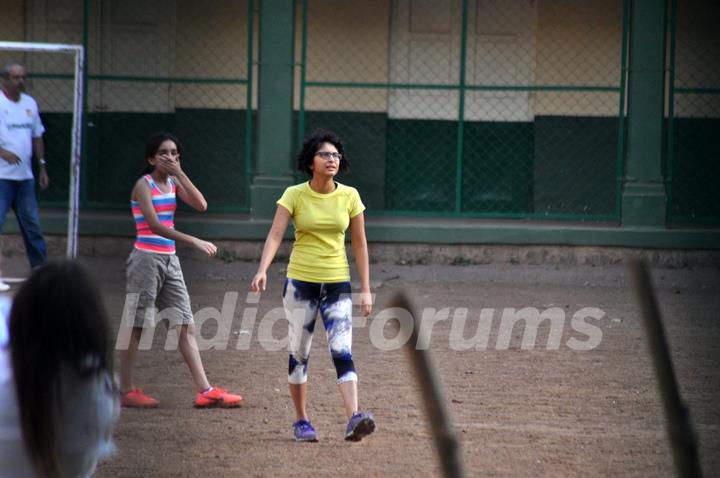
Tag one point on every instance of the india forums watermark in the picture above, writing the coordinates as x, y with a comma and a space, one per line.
490, 328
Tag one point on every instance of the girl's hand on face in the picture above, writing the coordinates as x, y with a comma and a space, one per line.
365, 303
207, 247
258, 282
170, 165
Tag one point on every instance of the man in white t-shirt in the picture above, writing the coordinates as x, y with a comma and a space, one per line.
21, 139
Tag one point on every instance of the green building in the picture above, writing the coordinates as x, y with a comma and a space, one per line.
467, 121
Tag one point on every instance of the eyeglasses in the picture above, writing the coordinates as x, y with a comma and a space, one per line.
327, 155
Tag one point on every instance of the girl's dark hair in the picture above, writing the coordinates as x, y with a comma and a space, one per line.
152, 145
57, 322
311, 145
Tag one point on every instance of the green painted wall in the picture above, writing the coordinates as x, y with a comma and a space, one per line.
57, 151
421, 165
575, 165
213, 155
214, 150
695, 169
498, 161
115, 147
553, 165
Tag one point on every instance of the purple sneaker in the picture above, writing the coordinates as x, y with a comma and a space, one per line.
360, 425
304, 431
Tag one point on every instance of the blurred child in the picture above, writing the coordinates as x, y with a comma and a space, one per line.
57, 400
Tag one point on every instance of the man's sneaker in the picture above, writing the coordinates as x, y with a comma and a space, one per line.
217, 397
360, 425
137, 399
304, 431
4, 287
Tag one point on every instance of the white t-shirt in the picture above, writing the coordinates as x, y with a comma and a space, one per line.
19, 124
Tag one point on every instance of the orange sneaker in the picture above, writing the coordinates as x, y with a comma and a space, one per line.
217, 397
137, 399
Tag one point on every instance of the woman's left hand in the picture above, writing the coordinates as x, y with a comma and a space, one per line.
365, 303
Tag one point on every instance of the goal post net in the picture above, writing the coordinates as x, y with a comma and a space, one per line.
67, 101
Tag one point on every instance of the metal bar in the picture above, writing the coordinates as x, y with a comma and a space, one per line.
461, 111
39, 47
76, 152
679, 424
553, 88
84, 146
406, 86
446, 444
671, 111
248, 100
620, 153
344, 85
145, 79
303, 73
168, 79
435, 86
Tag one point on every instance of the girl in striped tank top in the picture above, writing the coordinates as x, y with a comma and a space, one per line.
155, 285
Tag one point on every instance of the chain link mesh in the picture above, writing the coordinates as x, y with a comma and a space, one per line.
172, 65
694, 113
506, 109
485, 108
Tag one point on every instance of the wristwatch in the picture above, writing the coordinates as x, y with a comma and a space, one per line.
42, 161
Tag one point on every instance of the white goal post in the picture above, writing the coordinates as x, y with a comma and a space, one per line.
76, 141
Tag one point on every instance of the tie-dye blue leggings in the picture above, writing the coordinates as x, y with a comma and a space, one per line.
302, 301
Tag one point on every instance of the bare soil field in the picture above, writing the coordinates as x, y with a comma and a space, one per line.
548, 409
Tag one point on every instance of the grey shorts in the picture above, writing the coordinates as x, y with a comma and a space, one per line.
155, 283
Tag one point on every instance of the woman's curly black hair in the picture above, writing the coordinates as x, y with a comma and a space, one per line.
311, 146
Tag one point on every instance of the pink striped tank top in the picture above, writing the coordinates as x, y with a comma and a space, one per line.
164, 205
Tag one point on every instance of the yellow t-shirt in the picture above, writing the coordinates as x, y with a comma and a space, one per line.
318, 254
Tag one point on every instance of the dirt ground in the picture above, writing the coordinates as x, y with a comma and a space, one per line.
517, 412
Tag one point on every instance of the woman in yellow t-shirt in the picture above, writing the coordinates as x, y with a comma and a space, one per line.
318, 275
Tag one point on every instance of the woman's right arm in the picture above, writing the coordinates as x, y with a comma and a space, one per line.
272, 244
143, 195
